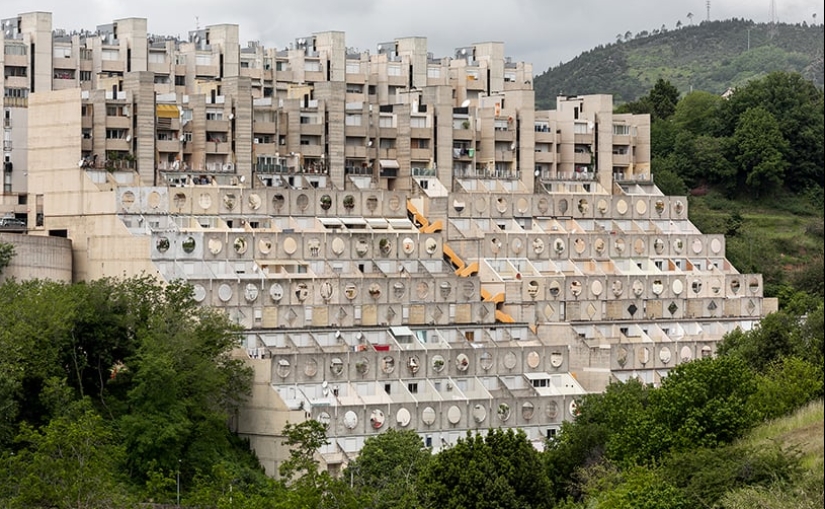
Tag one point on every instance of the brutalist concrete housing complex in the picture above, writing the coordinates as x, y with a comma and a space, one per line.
406, 240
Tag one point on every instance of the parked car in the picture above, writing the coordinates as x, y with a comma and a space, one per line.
12, 223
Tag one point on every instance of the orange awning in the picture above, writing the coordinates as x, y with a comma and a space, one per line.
167, 111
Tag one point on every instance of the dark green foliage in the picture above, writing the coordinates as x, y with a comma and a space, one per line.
663, 99
636, 488
760, 150
152, 369
766, 343
710, 56
796, 106
787, 384
388, 467
703, 403
6, 254
498, 470
705, 475
583, 443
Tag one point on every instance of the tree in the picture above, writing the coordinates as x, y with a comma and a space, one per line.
760, 145
638, 488
309, 487
183, 386
663, 97
796, 105
703, 403
388, 467
498, 470
584, 442
73, 462
698, 113
766, 343
6, 254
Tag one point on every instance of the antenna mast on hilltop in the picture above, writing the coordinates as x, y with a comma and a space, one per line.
772, 27
707, 6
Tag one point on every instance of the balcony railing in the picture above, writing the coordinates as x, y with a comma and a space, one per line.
487, 174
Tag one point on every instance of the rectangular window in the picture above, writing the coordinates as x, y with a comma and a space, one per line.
214, 114
419, 143
62, 51
352, 120
17, 71
86, 54
621, 129
433, 72
312, 66
115, 134
580, 128
85, 75
418, 122
353, 67
110, 54
21, 93
385, 121
394, 70
157, 57
203, 59
14, 49
413, 387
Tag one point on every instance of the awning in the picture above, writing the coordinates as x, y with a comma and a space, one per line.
167, 111
389, 163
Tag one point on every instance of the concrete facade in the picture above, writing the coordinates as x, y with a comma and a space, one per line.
406, 241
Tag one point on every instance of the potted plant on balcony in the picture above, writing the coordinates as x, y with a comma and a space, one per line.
349, 202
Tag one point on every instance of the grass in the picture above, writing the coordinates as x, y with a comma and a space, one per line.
803, 430
779, 238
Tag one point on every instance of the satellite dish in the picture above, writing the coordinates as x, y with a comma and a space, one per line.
182, 137
590, 125
379, 47
324, 384
243, 179
128, 138
231, 116
465, 103
80, 163
463, 51
537, 173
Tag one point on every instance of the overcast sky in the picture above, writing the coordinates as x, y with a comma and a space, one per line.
544, 32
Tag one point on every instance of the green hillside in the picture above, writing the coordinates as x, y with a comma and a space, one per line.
711, 56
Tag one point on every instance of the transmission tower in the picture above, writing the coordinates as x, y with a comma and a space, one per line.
772, 27
707, 7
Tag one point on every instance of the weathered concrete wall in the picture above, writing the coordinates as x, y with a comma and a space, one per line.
38, 257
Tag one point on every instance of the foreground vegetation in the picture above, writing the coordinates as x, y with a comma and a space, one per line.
113, 391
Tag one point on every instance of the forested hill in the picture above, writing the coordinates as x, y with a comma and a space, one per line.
710, 56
